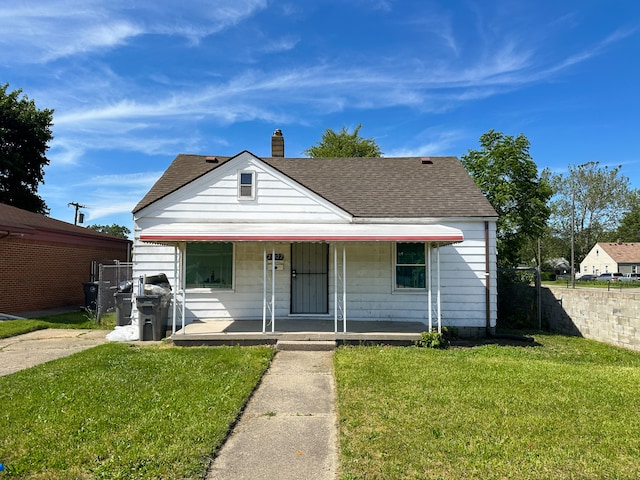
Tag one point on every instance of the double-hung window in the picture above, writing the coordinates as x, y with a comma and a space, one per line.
410, 266
246, 185
209, 265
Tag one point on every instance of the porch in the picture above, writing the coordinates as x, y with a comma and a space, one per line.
249, 332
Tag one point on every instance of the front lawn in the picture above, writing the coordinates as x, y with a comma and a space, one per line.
568, 408
119, 411
79, 319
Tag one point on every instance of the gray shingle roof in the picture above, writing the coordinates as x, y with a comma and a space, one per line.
407, 187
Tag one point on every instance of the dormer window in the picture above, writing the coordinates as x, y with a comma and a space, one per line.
246, 185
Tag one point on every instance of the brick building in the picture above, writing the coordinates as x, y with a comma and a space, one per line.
44, 262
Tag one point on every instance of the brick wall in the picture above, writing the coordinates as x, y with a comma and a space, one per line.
37, 275
607, 316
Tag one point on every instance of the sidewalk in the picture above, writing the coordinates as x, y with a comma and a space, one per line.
30, 349
288, 430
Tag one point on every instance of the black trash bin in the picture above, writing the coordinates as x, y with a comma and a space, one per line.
123, 308
90, 295
153, 313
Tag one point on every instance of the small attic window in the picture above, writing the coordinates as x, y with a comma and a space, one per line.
246, 185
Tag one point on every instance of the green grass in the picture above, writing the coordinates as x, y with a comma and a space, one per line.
567, 409
606, 285
120, 411
79, 319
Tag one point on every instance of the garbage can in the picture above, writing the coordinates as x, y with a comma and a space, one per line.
123, 308
90, 295
153, 313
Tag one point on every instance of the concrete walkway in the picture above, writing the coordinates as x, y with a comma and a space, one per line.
289, 427
30, 349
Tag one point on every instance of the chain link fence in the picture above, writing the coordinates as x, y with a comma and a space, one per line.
110, 279
519, 301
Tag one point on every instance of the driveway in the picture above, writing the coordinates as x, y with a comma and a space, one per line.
30, 349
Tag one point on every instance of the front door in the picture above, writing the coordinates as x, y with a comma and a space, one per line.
309, 278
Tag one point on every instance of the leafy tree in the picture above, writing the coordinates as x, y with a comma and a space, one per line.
595, 198
343, 144
629, 229
506, 174
24, 134
113, 229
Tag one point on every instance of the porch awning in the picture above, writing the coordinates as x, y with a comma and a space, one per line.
289, 232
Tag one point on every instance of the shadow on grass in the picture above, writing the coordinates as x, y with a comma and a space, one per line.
511, 338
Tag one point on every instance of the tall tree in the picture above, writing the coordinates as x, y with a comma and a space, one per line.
343, 144
629, 229
505, 172
595, 198
113, 229
24, 134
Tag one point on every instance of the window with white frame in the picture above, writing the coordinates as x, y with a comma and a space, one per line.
410, 267
246, 185
209, 265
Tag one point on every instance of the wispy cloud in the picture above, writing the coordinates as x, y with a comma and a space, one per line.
56, 29
103, 195
429, 142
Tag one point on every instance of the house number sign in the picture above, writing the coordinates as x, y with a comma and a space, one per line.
279, 258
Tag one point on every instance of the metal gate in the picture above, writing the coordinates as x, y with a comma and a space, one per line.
309, 278
109, 278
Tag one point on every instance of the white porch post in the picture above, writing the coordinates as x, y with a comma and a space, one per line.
175, 288
183, 282
273, 289
264, 290
344, 288
429, 284
335, 288
438, 282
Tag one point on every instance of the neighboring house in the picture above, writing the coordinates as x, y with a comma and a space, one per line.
560, 266
249, 238
44, 262
606, 257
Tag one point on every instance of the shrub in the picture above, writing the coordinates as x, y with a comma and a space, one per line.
433, 339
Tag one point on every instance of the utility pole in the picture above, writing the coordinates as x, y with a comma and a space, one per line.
78, 207
573, 227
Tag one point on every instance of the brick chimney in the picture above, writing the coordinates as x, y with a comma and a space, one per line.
277, 144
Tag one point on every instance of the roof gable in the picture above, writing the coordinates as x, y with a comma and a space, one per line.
407, 187
213, 196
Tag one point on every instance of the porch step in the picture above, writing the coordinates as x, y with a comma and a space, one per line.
306, 345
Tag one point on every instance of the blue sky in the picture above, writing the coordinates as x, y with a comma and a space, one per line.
134, 83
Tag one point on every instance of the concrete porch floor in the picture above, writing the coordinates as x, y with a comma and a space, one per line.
249, 332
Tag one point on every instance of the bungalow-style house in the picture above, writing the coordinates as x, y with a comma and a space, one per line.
44, 262
608, 257
276, 241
